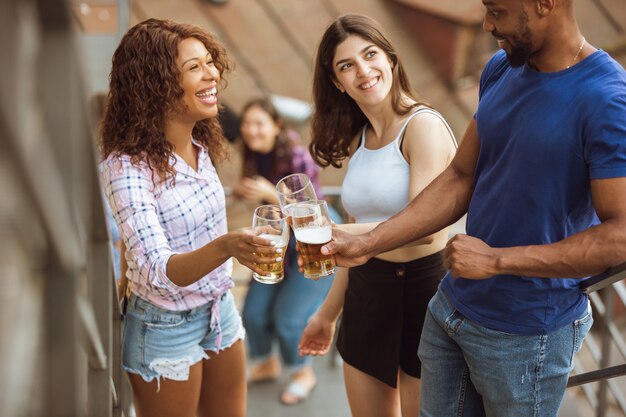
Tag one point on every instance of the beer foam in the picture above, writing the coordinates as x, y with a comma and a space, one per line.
314, 235
280, 242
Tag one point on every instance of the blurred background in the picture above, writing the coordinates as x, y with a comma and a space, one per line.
59, 322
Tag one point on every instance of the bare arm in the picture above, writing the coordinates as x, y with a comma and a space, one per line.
440, 204
333, 304
186, 268
360, 228
121, 288
317, 336
586, 253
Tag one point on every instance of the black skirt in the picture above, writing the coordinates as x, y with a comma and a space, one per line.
384, 309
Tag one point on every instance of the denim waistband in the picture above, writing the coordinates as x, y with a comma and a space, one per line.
137, 301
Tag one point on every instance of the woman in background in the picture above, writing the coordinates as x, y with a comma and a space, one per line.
277, 312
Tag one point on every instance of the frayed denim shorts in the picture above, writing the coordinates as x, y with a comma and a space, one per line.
162, 343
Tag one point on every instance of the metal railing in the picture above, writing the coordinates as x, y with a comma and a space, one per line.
603, 290
55, 228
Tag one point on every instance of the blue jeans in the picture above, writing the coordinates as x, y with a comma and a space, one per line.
469, 370
281, 311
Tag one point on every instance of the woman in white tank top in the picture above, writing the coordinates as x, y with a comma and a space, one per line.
366, 110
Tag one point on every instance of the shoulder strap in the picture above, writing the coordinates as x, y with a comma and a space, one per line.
362, 144
400, 138
425, 110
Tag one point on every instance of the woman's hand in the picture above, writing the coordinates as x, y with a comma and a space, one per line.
256, 189
317, 336
250, 250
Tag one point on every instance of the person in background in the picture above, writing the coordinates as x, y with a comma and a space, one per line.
182, 342
366, 110
541, 173
277, 312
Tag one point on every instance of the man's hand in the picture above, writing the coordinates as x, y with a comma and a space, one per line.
469, 257
349, 250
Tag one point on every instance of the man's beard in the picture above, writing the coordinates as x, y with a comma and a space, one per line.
521, 47
520, 53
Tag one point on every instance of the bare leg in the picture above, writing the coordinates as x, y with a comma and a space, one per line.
265, 371
174, 398
368, 397
409, 395
223, 391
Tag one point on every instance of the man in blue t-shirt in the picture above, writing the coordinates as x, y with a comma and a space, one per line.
541, 174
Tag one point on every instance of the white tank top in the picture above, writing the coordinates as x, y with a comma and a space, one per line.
376, 184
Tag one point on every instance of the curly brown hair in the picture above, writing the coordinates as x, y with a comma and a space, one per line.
145, 88
337, 118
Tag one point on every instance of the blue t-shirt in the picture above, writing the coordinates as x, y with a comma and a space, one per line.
543, 137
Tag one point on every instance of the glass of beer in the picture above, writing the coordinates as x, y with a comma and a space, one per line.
270, 223
292, 189
313, 229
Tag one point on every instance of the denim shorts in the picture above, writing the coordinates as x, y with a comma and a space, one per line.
163, 343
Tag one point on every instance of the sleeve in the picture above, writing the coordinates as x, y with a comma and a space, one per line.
129, 190
605, 139
303, 163
495, 64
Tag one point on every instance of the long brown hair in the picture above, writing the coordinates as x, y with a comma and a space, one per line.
145, 88
337, 118
282, 147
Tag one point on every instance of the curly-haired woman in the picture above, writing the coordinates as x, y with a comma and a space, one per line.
366, 110
182, 338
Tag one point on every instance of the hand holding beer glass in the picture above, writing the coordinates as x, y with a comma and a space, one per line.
312, 227
270, 222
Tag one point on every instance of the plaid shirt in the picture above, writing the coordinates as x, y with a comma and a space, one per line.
159, 221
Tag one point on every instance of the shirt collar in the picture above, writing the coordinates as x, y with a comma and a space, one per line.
183, 168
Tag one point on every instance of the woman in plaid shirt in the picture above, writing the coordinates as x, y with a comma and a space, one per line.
182, 337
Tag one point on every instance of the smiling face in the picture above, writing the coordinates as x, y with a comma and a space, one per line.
362, 70
199, 80
259, 130
508, 22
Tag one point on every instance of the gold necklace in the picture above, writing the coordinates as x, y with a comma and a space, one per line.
577, 53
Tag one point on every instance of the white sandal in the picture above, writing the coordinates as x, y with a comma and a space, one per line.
298, 390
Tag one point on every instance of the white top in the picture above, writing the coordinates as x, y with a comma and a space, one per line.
376, 185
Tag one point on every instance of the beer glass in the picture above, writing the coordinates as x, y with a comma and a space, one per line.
270, 222
292, 189
313, 229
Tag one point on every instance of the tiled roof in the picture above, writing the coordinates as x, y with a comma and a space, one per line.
459, 11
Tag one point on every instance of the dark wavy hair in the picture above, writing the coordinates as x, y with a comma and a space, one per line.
337, 118
282, 148
145, 88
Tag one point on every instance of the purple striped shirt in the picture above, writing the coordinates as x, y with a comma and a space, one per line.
158, 222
